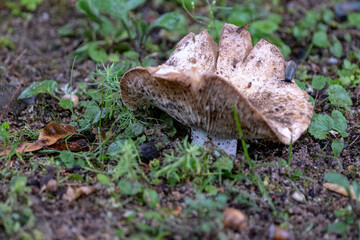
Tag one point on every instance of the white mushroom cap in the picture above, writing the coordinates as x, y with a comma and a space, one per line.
198, 87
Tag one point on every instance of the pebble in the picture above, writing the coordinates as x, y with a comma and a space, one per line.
298, 196
234, 219
148, 152
277, 233
52, 185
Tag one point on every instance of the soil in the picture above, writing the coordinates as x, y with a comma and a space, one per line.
41, 54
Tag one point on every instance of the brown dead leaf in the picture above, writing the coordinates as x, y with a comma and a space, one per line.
72, 194
76, 146
339, 189
50, 135
69, 195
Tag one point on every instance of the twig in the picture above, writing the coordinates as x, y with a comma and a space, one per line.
353, 141
17, 59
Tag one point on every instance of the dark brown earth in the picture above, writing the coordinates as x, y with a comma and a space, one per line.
41, 54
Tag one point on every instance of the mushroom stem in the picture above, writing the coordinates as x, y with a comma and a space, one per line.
207, 141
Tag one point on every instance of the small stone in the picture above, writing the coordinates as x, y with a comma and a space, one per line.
52, 185
277, 233
148, 152
234, 219
298, 196
73, 98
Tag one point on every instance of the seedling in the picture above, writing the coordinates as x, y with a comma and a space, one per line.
15, 213
350, 215
128, 28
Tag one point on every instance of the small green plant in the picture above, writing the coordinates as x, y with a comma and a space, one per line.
17, 7
127, 157
208, 212
346, 218
350, 73
312, 29
15, 213
323, 124
191, 163
262, 23
115, 29
6, 42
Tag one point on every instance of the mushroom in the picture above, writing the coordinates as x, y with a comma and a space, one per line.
201, 83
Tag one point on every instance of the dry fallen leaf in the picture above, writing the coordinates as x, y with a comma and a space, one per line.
72, 194
234, 219
73, 146
50, 135
339, 189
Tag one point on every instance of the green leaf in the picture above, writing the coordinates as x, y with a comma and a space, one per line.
87, 7
4, 134
336, 48
210, 189
47, 86
30, 4
311, 18
319, 82
356, 188
18, 184
320, 126
138, 128
153, 215
354, 19
338, 96
75, 177
103, 179
284, 49
130, 188
116, 8
300, 33
263, 27
275, 18
224, 164
170, 21
320, 39
301, 84
68, 158
66, 103
338, 227
150, 197
90, 114
337, 146
239, 16
96, 53
337, 179
328, 15
340, 123
132, 4
296, 175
